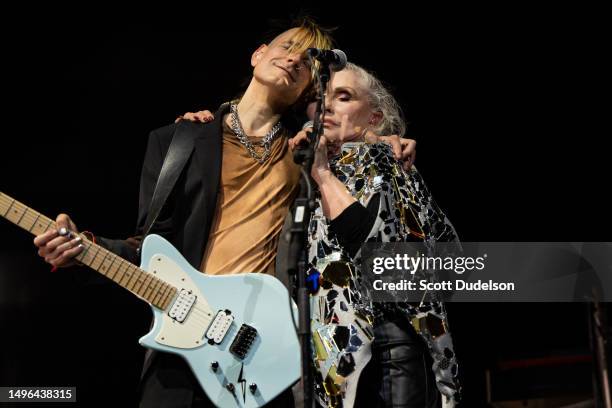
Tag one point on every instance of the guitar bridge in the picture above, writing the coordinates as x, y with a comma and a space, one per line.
243, 341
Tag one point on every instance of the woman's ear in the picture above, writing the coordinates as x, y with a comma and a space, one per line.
375, 118
258, 54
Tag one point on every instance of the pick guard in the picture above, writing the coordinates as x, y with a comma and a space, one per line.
190, 333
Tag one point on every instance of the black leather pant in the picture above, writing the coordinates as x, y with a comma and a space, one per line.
399, 374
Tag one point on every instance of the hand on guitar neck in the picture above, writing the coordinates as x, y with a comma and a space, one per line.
59, 246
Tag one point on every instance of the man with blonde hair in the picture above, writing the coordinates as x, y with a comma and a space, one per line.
226, 211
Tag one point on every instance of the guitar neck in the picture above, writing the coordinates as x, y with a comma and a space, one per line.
138, 281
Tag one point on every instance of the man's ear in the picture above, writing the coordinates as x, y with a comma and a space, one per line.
257, 54
375, 118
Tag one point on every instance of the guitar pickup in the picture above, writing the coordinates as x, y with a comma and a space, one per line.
243, 341
182, 305
220, 325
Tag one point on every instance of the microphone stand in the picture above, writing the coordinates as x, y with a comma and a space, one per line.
298, 246
599, 334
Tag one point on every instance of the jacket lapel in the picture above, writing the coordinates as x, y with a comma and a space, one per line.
208, 157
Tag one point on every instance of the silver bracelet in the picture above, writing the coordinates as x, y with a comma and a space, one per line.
308, 124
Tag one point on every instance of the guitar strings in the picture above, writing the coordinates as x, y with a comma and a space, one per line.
201, 315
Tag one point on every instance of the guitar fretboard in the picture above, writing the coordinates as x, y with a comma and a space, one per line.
138, 281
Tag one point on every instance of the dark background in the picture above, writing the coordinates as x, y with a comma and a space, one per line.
503, 104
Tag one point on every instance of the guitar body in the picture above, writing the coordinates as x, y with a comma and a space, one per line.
271, 359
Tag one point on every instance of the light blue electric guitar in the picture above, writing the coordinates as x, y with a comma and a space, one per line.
235, 331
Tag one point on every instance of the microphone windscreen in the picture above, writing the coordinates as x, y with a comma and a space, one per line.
341, 60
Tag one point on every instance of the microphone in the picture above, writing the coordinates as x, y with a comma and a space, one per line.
336, 59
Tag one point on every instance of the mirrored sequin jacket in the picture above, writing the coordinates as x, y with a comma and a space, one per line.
342, 312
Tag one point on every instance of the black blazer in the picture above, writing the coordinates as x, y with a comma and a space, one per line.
187, 215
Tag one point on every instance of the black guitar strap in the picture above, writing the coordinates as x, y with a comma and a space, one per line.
180, 149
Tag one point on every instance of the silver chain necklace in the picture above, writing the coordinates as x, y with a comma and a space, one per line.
266, 141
